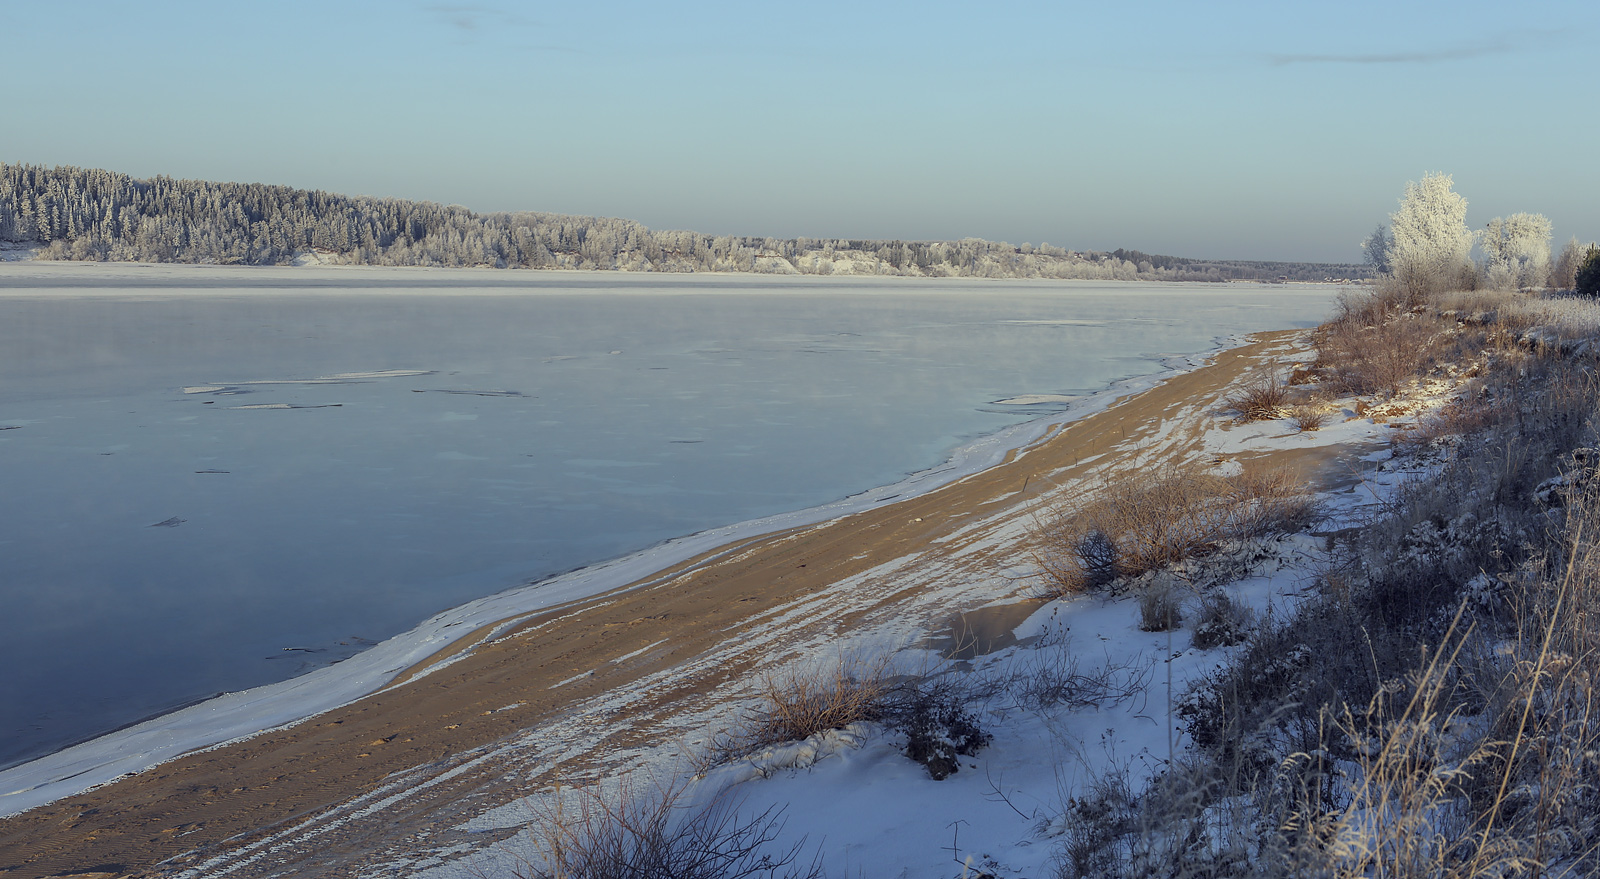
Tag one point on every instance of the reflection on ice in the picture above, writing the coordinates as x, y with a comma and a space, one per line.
1037, 399
467, 392
342, 378
289, 406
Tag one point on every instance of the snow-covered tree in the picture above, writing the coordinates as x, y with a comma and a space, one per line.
1517, 251
1375, 248
1564, 274
89, 214
1432, 247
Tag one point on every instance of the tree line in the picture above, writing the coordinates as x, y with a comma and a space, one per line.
1427, 247
91, 214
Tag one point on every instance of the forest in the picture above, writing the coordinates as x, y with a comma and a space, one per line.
90, 214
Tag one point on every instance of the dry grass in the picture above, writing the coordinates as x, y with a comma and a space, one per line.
1404, 815
1470, 412
1261, 400
1432, 713
934, 712
1144, 522
1302, 374
1477, 763
803, 701
632, 832
1436, 775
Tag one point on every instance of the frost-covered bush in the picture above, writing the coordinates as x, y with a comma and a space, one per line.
1160, 609
1430, 712
939, 728
1221, 621
1517, 251
1563, 274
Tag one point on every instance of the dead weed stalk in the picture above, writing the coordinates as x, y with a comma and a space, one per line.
649, 831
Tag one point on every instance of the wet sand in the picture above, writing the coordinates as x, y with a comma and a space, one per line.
435, 736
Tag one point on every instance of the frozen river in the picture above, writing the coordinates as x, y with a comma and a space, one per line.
216, 479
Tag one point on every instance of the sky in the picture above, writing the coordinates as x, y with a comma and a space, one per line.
1270, 130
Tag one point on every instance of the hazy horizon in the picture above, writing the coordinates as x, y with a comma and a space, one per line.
1225, 132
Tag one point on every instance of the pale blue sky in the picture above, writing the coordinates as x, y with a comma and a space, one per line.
1248, 130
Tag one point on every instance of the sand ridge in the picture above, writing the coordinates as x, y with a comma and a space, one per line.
578, 689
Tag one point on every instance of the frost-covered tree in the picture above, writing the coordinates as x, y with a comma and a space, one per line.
1564, 274
1375, 248
1432, 248
1517, 251
88, 214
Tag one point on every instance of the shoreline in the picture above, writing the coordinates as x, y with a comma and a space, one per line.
447, 637
522, 281
574, 689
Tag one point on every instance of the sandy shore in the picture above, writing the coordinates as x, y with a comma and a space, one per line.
579, 689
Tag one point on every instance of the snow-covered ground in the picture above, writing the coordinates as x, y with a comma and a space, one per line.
856, 799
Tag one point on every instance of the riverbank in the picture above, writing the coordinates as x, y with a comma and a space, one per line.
599, 678
379, 470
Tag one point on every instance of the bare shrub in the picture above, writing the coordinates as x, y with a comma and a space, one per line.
932, 711
1260, 400
939, 726
1053, 674
1143, 522
1307, 417
1374, 342
1098, 558
585, 833
1094, 823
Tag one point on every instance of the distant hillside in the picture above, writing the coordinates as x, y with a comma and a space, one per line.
88, 214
